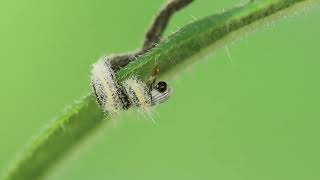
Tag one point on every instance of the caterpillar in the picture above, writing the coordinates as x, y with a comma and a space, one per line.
113, 96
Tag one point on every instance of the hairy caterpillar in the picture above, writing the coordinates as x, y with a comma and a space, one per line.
114, 96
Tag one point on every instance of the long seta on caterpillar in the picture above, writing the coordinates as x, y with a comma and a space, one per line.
114, 96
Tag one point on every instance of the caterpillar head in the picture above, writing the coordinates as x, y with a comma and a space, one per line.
160, 93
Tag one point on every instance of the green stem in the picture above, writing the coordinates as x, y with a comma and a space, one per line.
57, 139
209, 33
172, 54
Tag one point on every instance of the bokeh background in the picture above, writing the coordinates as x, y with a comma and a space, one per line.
252, 116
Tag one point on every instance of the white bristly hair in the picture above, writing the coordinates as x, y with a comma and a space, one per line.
105, 86
114, 97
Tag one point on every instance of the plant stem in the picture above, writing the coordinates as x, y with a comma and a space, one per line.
172, 54
209, 33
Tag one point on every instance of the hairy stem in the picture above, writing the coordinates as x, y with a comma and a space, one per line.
209, 33
170, 55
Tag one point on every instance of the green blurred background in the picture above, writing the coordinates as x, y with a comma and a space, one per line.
255, 117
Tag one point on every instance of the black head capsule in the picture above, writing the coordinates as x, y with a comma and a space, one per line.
161, 86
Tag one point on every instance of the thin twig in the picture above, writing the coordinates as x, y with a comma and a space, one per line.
160, 23
153, 35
